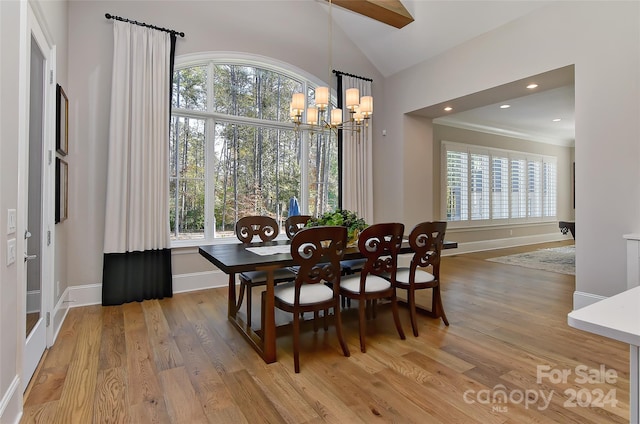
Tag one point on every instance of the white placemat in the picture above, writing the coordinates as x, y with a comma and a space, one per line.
270, 250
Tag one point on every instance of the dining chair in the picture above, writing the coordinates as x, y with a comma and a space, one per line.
295, 223
264, 228
379, 244
318, 252
426, 241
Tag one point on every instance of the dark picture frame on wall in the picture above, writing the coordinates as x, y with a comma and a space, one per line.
62, 121
62, 190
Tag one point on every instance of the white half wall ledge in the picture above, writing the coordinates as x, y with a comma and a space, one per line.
91, 294
480, 246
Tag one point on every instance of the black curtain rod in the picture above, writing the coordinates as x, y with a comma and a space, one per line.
118, 18
338, 73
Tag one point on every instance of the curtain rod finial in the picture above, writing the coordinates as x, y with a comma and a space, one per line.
108, 16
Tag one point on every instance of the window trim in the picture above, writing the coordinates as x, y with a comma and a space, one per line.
249, 59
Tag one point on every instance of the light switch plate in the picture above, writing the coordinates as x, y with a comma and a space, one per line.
11, 251
11, 221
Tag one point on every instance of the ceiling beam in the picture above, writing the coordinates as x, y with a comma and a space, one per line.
390, 12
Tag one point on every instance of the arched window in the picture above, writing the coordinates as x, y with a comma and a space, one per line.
234, 150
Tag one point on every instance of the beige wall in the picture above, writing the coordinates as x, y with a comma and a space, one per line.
602, 40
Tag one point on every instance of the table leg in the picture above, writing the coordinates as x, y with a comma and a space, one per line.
269, 330
232, 308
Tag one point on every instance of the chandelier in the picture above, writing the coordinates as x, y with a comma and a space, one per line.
321, 115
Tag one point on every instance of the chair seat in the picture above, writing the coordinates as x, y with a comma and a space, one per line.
374, 283
309, 293
402, 276
256, 277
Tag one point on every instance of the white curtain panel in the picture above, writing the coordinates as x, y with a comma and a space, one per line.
357, 160
137, 209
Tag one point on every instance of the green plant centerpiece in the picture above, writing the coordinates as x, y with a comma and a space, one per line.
341, 218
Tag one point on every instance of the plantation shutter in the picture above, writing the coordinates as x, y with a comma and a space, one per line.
457, 165
479, 172
534, 183
518, 188
500, 187
550, 183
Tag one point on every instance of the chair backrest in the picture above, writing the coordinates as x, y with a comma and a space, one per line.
295, 223
426, 241
318, 252
380, 244
264, 227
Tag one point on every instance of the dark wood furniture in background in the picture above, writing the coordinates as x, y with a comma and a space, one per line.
568, 226
295, 223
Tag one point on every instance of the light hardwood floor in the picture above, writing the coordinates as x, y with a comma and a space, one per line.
180, 361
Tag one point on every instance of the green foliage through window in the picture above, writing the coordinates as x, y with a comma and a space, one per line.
234, 152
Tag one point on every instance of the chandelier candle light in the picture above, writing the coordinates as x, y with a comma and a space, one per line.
360, 110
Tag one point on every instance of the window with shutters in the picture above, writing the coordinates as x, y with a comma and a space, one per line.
494, 186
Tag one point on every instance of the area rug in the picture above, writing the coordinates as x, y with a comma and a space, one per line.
556, 259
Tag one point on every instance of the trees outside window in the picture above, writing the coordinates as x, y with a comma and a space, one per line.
234, 151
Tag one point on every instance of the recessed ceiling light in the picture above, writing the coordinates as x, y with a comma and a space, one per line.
557, 120
532, 86
505, 106
448, 109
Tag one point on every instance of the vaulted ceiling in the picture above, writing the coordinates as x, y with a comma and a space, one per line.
437, 26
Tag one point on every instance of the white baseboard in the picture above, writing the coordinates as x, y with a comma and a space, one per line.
91, 294
59, 313
11, 403
479, 246
582, 299
199, 281
85, 295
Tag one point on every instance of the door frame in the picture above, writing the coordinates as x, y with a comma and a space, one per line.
32, 19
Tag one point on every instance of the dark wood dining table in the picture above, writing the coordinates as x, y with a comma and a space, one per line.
234, 258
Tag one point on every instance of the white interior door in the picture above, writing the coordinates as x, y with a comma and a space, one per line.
35, 171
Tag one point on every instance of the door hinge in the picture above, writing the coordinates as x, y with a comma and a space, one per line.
48, 319
50, 157
51, 77
49, 238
